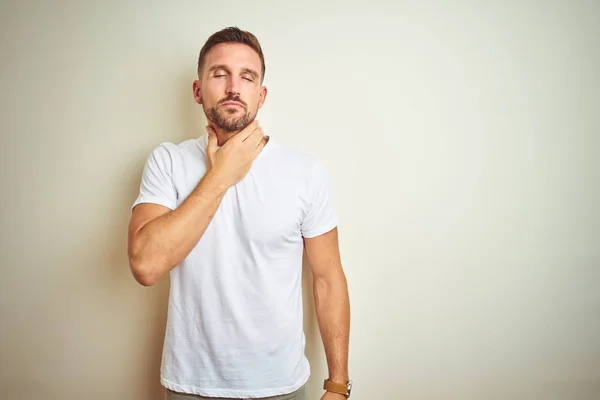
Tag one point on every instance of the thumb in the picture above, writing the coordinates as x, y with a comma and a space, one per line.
212, 140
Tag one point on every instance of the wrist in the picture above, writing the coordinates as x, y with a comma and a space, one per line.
335, 396
341, 387
339, 378
213, 183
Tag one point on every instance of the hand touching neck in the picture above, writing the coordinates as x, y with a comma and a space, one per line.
222, 135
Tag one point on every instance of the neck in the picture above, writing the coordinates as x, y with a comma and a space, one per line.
222, 135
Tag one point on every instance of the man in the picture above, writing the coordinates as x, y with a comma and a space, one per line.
228, 216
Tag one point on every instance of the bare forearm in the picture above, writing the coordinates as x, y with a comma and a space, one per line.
333, 315
164, 242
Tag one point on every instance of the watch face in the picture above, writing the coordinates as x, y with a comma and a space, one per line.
349, 388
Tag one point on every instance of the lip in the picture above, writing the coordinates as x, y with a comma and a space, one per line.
233, 103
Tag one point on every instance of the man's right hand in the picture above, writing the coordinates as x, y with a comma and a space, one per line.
231, 162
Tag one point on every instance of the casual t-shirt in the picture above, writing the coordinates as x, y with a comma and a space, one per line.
234, 326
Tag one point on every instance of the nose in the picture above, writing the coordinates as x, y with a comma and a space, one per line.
233, 86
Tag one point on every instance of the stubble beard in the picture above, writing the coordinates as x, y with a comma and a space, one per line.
229, 120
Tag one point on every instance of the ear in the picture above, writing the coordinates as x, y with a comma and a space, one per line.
197, 91
262, 97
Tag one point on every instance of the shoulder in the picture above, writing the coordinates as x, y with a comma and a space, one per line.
293, 159
172, 152
182, 148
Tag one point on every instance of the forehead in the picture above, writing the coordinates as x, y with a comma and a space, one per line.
233, 55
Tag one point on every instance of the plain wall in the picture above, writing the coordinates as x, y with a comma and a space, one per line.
462, 140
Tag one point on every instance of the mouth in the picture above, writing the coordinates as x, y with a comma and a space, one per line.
232, 104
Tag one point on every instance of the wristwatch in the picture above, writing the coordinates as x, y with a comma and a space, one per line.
339, 388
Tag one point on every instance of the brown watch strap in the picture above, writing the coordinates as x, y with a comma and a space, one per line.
334, 387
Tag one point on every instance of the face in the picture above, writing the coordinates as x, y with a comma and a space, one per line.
229, 88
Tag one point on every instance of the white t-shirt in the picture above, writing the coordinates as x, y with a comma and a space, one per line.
235, 319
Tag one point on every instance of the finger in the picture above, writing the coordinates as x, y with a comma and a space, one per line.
248, 131
261, 145
254, 139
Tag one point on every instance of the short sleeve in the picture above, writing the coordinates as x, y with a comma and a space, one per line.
320, 216
157, 183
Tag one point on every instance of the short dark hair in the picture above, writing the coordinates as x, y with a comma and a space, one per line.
231, 35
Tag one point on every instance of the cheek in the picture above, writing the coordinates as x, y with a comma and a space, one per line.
210, 100
255, 97
211, 92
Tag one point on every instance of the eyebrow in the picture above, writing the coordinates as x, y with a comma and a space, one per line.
244, 70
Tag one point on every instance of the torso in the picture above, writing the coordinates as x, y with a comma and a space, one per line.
235, 312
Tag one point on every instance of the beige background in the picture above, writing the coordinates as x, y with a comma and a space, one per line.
462, 140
